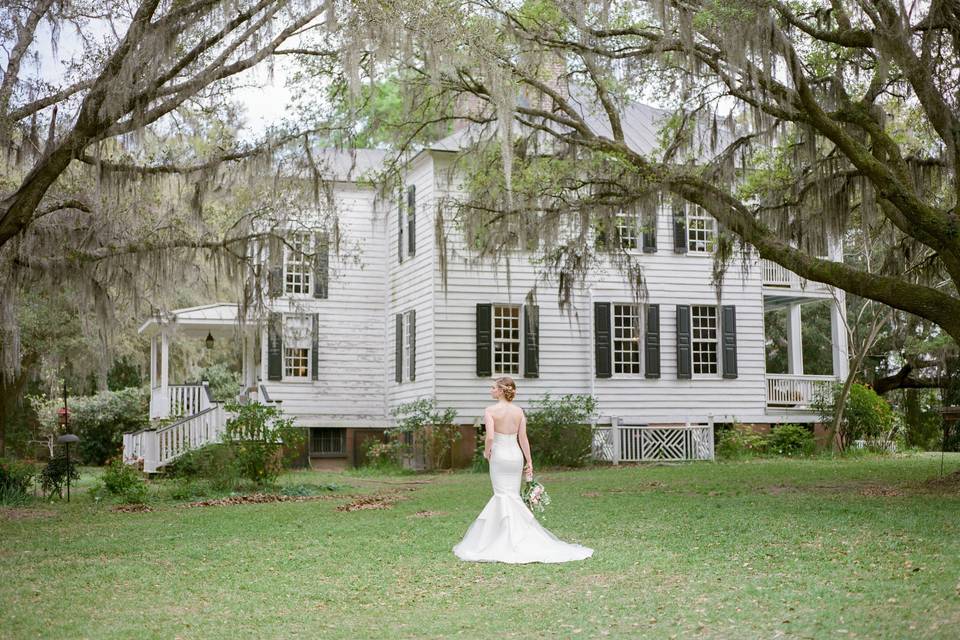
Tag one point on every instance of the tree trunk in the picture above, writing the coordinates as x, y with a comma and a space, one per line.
841, 402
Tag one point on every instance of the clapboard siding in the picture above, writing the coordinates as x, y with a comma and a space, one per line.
350, 387
566, 338
409, 287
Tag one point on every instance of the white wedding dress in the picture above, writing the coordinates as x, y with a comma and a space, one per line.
506, 530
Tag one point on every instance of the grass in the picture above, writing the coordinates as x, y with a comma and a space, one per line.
769, 548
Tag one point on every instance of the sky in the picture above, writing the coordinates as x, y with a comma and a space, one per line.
266, 99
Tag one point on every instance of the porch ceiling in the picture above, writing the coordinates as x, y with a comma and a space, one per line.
775, 297
218, 319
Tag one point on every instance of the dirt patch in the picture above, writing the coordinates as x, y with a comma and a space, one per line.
370, 502
949, 483
881, 491
428, 514
260, 498
14, 513
131, 508
591, 494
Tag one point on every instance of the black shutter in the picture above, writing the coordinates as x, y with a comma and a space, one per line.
531, 341
274, 267
684, 361
412, 337
275, 347
651, 342
601, 339
398, 358
400, 226
484, 340
412, 220
321, 265
314, 346
729, 326
649, 223
679, 226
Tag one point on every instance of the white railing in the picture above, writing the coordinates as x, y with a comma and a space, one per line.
157, 447
191, 432
775, 275
133, 445
622, 442
795, 391
189, 399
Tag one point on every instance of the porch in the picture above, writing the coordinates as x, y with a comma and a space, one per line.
187, 413
790, 389
207, 323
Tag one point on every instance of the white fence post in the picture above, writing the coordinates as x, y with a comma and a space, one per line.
710, 436
151, 451
615, 434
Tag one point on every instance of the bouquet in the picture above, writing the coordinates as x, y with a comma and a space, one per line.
535, 496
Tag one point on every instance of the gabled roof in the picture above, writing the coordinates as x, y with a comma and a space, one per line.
641, 124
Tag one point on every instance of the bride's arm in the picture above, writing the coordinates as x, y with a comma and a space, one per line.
525, 444
488, 441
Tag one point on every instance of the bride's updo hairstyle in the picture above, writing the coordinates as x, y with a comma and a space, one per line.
508, 387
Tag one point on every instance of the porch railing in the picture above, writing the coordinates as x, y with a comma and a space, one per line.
189, 399
775, 275
795, 391
626, 442
158, 447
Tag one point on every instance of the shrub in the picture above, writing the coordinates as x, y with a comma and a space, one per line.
55, 473
432, 428
866, 415
479, 464
383, 456
213, 462
100, 420
224, 382
257, 433
16, 477
559, 430
739, 442
791, 440
124, 481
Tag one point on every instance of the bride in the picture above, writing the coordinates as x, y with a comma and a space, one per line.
506, 530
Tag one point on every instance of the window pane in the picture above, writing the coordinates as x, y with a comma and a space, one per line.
626, 338
704, 339
296, 266
506, 340
296, 362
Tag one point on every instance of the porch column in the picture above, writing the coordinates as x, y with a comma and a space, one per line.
249, 361
838, 335
794, 340
163, 394
154, 382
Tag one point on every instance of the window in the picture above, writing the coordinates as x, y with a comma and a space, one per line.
626, 338
704, 342
627, 230
408, 345
701, 230
296, 266
296, 362
506, 340
328, 442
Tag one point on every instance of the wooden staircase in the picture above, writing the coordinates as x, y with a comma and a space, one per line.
201, 421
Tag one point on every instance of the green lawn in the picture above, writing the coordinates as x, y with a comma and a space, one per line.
758, 549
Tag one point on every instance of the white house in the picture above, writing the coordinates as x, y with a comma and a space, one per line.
365, 331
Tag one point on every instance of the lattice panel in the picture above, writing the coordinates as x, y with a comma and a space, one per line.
602, 447
641, 444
